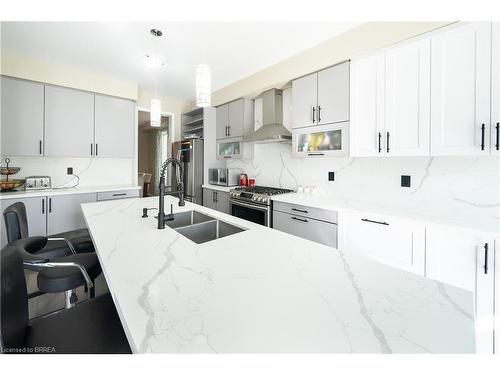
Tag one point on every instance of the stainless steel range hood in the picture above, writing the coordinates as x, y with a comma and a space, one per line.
268, 111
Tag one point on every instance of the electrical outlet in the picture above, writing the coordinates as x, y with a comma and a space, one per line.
405, 181
331, 176
69, 170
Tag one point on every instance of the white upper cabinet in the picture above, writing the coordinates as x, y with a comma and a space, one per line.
236, 119
390, 101
460, 85
22, 117
305, 101
69, 122
333, 94
221, 121
407, 99
367, 105
495, 90
114, 127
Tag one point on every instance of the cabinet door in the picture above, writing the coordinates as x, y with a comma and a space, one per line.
22, 117
304, 101
407, 99
495, 90
460, 90
310, 229
333, 94
236, 119
69, 122
459, 258
497, 296
64, 212
222, 201
221, 121
35, 212
394, 241
114, 127
367, 106
209, 199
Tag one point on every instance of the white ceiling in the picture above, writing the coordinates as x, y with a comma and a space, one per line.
233, 50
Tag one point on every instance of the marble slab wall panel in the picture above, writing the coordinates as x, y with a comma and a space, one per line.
441, 187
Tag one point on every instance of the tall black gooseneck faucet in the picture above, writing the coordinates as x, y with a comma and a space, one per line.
180, 192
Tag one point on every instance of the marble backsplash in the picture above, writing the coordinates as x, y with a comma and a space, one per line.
440, 186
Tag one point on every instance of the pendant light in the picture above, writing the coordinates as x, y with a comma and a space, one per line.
156, 65
203, 85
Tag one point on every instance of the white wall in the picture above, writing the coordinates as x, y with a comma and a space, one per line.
92, 171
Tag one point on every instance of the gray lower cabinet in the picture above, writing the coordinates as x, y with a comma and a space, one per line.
22, 117
69, 122
35, 211
313, 224
64, 212
216, 200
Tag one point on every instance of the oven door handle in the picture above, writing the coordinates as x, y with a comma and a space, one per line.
255, 207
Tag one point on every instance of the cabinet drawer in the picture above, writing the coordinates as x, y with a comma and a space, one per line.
117, 194
310, 212
310, 229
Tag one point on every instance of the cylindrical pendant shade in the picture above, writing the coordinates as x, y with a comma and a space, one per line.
203, 86
155, 113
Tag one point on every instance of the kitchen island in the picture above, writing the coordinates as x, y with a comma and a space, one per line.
261, 291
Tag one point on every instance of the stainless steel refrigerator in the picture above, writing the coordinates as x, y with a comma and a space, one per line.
191, 155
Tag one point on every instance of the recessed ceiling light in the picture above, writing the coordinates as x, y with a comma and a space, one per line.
156, 32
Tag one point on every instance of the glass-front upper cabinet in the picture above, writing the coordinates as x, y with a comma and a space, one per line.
327, 140
229, 148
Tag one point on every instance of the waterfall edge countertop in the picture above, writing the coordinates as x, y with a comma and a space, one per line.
262, 290
66, 191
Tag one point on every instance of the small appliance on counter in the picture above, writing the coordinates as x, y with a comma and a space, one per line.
38, 183
224, 176
9, 184
243, 179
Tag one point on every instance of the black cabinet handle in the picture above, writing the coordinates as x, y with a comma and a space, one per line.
375, 221
315, 154
303, 211
119, 194
96, 149
228, 130
314, 114
486, 258
43, 206
482, 136
50, 205
319, 113
379, 142
40, 147
387, 146
216, 197
91, 149
296, 218
497, 145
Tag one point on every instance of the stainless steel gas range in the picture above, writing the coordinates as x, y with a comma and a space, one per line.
254, 203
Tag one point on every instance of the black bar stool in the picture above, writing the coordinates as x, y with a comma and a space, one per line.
91, 327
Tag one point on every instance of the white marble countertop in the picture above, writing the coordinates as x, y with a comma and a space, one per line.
217, 187
484, 224
262, 290
65, 191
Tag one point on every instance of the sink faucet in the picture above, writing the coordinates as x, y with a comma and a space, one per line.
161, 208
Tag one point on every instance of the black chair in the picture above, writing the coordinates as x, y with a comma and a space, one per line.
58, 245
91, 327
62, 275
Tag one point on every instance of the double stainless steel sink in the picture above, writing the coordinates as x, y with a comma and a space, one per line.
200, 228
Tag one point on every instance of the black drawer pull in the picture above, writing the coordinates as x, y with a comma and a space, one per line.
43, 206
50, 205
119, 194
497, 127
91, 149
40, 147
299, 210
315, 154
482, 136
486, 258
379, 142
375, 221
301, 220
388, 135
96, 149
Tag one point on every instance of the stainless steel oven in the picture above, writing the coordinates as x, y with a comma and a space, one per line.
255, 212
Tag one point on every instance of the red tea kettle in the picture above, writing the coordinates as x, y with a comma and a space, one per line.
243, 179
